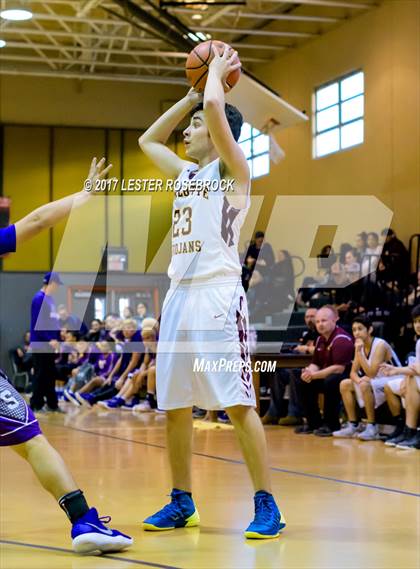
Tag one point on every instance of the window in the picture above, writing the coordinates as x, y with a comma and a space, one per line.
256, 147
339, 112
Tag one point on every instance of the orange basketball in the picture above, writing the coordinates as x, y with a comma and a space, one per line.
198, 62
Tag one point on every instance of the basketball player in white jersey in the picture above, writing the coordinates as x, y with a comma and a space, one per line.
366, 384
405, 384
204, 316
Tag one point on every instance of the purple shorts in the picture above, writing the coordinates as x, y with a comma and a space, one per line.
17, 422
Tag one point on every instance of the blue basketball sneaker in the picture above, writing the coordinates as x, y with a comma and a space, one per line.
89, 535
85, 399
128, 405
179, 513
113, 403
268, 521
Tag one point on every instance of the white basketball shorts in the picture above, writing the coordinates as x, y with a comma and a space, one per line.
378, 388
203, 355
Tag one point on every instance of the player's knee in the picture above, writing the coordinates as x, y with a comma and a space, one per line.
365, 387
237, 413
346, 385
179, 415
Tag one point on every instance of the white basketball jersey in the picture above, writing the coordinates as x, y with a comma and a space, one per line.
393, 360
205, 227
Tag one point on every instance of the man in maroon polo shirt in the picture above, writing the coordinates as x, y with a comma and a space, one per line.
330, 365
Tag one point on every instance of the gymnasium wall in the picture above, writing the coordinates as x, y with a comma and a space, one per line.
52, 101
384, 43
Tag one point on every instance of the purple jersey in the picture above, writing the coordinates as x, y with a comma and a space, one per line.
104, 364
17, 422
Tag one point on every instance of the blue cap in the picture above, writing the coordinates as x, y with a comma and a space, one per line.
52, 277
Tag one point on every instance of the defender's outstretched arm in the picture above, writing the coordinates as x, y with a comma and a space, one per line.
49, 214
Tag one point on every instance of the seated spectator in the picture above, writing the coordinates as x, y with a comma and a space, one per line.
69, 321
112, 326
330, 365
371, 255
142, 313
395, 259
127, 398
88, 381
150, 338
326, 258
128, 312
282, 281
366, 384
407, 381
96, 331
127, 362
414, 294
83, 371
283, 377
344, 249
67, 356
260, 253
22, 355
312, 286
352, 265
360, 244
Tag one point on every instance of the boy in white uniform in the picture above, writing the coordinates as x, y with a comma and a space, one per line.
407, 387
366, 384
204, 316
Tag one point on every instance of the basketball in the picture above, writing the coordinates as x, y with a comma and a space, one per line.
198, 62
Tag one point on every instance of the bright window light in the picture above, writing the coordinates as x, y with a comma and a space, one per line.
256, 147
339, 109
328, 142
2, 43
352, 134
16, 15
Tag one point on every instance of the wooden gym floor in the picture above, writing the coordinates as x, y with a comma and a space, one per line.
348, 504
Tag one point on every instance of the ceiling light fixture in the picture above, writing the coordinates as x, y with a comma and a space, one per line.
16, 15
2, 43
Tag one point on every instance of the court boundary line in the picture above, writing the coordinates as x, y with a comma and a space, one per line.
236, 461
104, 556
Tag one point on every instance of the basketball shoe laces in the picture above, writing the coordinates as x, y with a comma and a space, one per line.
263, 509
173, 510
105, 520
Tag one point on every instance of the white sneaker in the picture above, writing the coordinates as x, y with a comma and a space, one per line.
347, 431
371, 433
143, 407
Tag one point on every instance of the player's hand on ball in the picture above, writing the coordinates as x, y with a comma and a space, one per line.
195, 97
225, 63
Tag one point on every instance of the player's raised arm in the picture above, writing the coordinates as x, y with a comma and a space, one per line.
48, 215
153, 141
230, 153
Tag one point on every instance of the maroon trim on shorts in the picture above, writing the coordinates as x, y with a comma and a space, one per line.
246, 377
